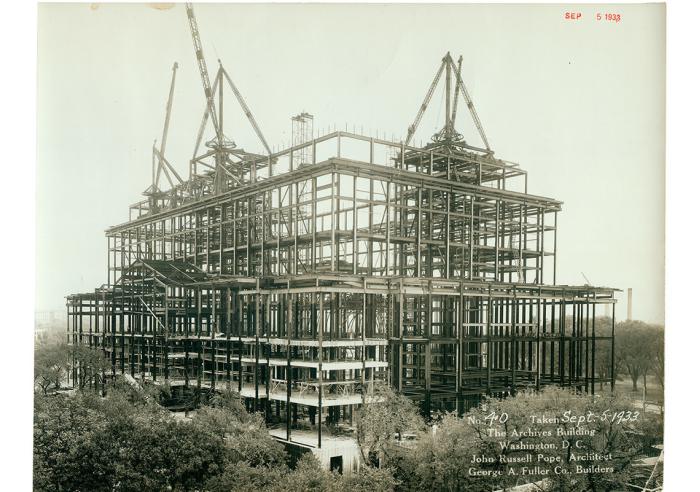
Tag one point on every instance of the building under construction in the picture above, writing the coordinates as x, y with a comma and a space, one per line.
303, 278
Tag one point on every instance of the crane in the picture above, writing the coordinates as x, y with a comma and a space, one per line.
472, 109
222, 145
246, 110
448, 66
424, 106
204, 73
453, 118
159, 154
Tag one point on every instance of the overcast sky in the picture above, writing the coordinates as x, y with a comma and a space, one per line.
579, 104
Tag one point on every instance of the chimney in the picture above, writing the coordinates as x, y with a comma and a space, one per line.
629, 304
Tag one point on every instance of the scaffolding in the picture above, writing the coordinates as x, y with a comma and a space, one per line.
301, 278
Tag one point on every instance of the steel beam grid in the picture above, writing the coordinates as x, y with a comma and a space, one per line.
301, 290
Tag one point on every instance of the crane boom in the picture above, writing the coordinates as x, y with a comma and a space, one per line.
421, 111
247, 111
203, 123
472, 110
203, 72
167, 111
458, 74
166, 125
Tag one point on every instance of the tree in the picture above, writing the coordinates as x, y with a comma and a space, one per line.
441, 460
91, 365
386, 415
246, 440
86, 442
51, 362
636, 344
231, 401
370, 479
308, 476
68, 453
242, 477
657, 362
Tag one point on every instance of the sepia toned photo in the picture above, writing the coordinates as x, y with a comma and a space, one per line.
340, 247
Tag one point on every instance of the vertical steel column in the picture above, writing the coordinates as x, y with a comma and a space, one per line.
229, 315
257, 343
594, 348
539, 367
428, 350
387, 195
554, 257
562, 339
241, 346
267, 328
588, 342
320, 328
355, 258
513, 348
288, 330
419, 233
459, 352
399, 324
166, 338
334, 223
497, 235
489, 343
313, 224
448, 273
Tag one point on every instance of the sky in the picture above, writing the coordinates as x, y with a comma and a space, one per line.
579, 104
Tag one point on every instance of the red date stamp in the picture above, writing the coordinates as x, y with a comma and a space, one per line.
599, 16
608, 17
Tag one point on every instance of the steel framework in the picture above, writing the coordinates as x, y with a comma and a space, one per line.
302, 278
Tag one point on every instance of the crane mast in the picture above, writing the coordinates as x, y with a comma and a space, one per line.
203, 72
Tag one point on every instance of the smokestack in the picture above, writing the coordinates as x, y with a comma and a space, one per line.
629, 304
